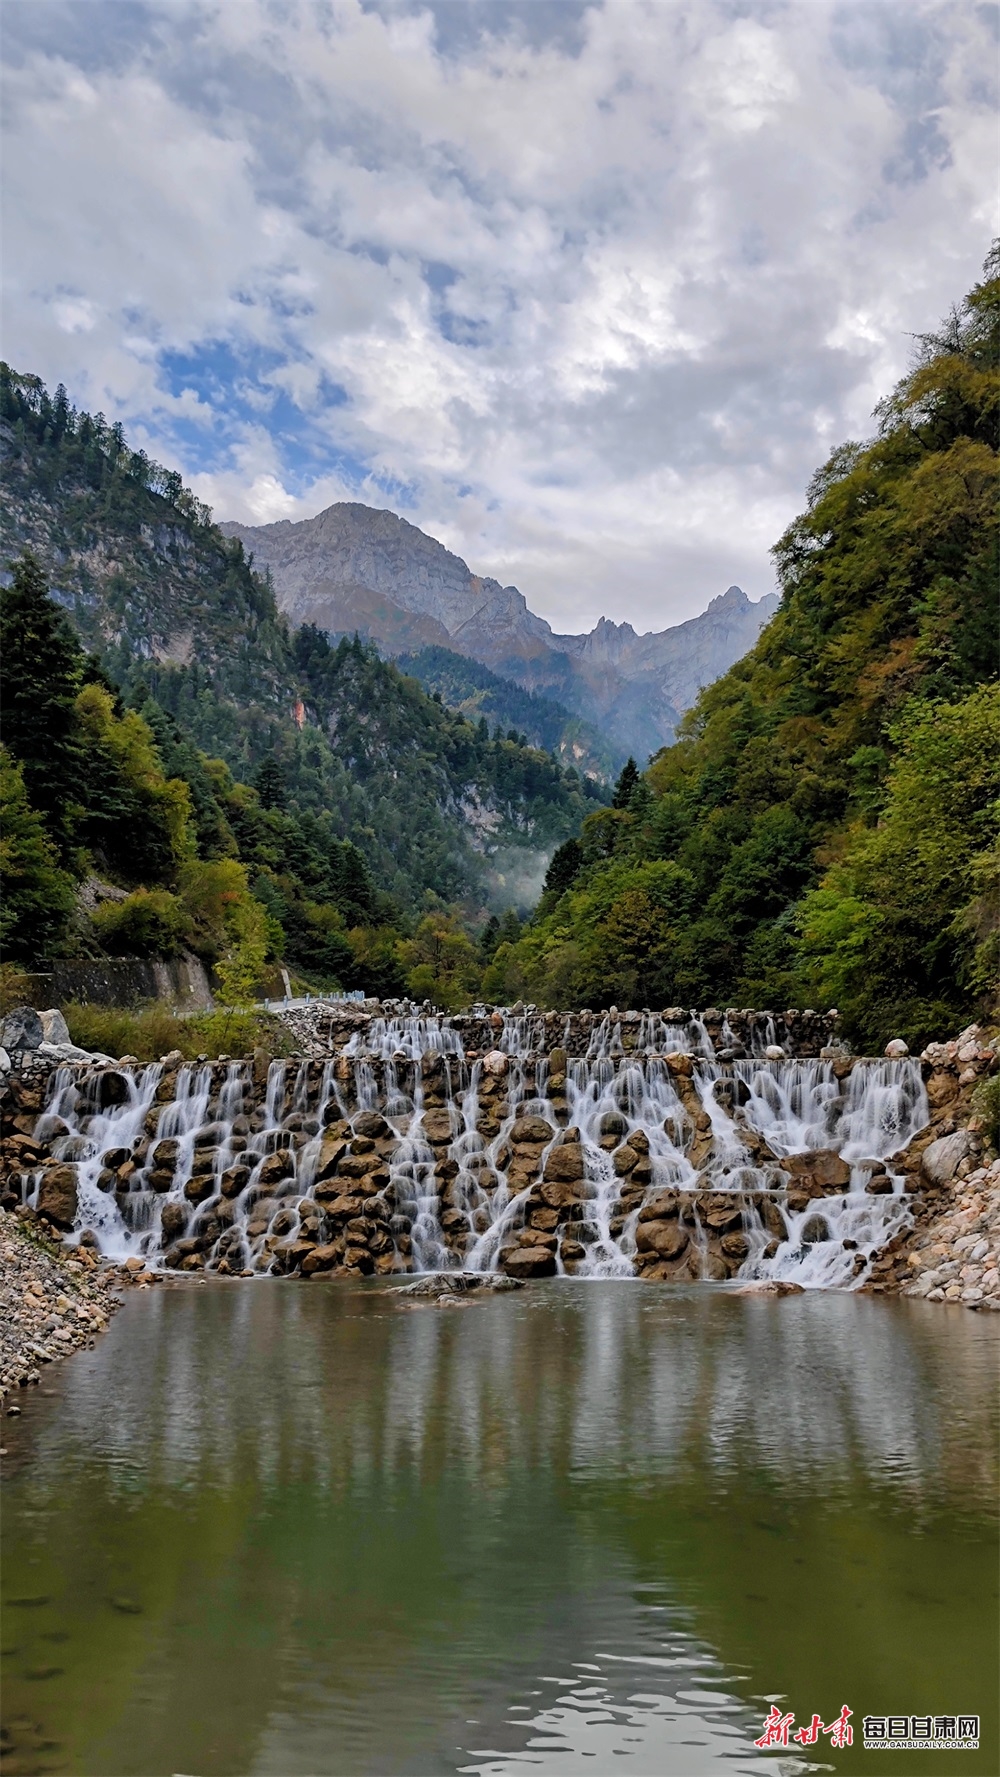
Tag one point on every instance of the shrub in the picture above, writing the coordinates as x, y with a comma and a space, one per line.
149, 922
151, 1031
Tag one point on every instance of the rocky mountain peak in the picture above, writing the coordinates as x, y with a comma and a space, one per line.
366, 568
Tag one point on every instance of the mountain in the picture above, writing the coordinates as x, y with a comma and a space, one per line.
827, 828
439, 810
356, 567
466, 685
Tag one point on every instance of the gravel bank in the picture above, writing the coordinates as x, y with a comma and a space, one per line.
956, 1257
51, 1303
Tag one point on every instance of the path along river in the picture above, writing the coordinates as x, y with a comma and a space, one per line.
590, 1526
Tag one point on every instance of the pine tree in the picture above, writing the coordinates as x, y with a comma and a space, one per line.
43, 667
36, 897
626, 784
270, 783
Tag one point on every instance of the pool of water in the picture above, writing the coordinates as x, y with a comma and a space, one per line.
287, 1530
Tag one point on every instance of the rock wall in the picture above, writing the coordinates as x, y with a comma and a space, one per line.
326, 1027
127, 981
951, 1253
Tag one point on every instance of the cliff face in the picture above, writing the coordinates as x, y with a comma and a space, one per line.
353, 567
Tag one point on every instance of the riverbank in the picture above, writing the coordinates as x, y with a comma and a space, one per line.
52, 1302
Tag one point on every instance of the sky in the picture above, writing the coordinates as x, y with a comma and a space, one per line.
587, 289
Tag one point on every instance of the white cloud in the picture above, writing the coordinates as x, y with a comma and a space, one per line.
590, 304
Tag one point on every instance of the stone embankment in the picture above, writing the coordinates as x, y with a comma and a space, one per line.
52, 1302
327, 1027
290, 1168
951, 1253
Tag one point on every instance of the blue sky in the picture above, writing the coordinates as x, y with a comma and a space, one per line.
588, 290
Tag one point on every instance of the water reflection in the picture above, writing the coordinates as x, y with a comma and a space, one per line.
283, 1382
310, 1530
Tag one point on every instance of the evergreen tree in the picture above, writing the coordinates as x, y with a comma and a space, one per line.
36, 897
564, 866
42, 667
627, 782
269, 783
490, 938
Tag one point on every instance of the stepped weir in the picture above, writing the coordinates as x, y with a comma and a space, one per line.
664, 1148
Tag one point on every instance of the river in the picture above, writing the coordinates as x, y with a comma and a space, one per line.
275, 1529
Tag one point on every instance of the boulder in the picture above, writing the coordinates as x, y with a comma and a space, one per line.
22, 1029
735, 1246
111, 1088
358, 1258
276, 1166
345, 1206
709, 1266
536, 1237
57, 1196
773, 1220
165, 1152
532, 1130
941, 1159
198, 1188
814, 1230
659, 1207
160, 1179
680, 1064
54, 1027
770, 1286
896, 1049
495, 1063
942, 1087
234, 1180
625, 1159
825, 1166
529, 1261
290, 1254
544, 1218
667, 1240
722, 1216
370, 1124
436, 1127
565, 1164
322, 1258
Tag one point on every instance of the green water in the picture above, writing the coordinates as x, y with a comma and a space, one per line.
310, 1531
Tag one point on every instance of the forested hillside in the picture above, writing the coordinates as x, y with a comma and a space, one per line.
826, 829
476, 692
185, 633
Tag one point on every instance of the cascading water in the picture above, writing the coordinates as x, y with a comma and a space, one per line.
400, 1153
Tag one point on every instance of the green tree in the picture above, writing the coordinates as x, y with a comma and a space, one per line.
627, 782
42, 666
36, 896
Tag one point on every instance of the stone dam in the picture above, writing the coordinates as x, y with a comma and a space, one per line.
669, 1147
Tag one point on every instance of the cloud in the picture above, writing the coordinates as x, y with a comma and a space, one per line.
587, 290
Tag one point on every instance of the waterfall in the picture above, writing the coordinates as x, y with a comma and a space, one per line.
402, 1153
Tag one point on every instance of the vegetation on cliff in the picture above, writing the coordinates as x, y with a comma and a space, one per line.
484, 696
247, 788
826, 827
181, 622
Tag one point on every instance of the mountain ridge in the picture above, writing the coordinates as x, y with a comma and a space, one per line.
356, 566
